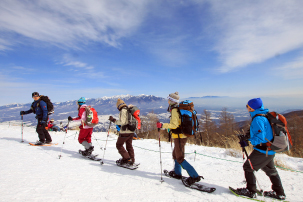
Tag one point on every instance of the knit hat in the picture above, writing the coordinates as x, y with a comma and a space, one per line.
81, 101
35, 94
255, 103
120, 104
174, 97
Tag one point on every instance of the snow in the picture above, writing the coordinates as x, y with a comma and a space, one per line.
37, 174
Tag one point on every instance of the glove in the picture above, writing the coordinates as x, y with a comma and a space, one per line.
243, 143
22, 113
112, 119
70, 118
159, 125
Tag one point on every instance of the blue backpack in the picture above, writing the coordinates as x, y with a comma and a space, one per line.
189, 121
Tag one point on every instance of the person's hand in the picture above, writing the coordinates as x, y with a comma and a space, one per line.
243, 143
112, 119
159, 125
70, 118
22, 113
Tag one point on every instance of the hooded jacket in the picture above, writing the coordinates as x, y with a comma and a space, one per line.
260, 129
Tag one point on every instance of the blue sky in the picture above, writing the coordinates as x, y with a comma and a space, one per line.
73, 48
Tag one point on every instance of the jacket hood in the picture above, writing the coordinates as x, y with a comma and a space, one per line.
261, 110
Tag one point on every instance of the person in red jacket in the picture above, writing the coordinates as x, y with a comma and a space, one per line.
50, 124
86, 132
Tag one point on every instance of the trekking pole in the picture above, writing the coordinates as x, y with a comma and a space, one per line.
102, 162
63, 140
160, 155
22, 128
251, 166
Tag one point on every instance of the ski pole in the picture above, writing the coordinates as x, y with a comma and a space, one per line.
102, 162
160, 155
64, 140
22, 129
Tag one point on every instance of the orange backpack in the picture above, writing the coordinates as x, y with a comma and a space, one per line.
91, 116
282, 139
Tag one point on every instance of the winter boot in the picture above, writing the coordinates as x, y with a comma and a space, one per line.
123, 161
245, 192
39, 143
190, 180
173, 174
90, 150
273, 194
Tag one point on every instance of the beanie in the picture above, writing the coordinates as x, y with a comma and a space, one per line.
120, 104
81, 101
174, 97
35, 94
255, 103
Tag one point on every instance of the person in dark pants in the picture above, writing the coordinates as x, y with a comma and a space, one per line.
260, 158
39, 108
125, 134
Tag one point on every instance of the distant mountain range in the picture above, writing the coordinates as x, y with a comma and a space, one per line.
106, 106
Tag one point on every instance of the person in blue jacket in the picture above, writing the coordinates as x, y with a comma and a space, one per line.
261, 157
39, 108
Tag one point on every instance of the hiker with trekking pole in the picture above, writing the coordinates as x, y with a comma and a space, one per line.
88, 118
261, 137
128, 124
180, 140
40, 107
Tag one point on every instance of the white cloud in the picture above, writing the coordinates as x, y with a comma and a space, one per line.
291, 70
69, 23
250, 32
69, 61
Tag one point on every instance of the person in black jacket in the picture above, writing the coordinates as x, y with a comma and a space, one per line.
39, 108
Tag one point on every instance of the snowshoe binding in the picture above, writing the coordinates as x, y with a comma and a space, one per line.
244, 192
273, 194
172, 174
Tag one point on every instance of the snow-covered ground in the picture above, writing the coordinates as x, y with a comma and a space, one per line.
30, 173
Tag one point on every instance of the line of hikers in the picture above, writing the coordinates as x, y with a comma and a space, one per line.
260, 131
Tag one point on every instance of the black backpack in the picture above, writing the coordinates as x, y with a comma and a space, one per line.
50, 106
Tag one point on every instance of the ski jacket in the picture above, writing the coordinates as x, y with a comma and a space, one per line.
175, 122
39, 108
50, 125
123, 121
260, 129
82, 117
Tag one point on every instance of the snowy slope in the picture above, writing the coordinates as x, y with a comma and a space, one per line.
37, 174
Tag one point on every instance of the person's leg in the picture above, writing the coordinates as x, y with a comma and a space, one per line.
129, 148
119, 145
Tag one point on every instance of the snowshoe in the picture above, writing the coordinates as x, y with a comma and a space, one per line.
273, 194
244, 192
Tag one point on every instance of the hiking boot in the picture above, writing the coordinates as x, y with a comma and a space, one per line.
122, 161
273, 194
48, 142
39, 143
190, 180
245, 192
90, 150
174, 175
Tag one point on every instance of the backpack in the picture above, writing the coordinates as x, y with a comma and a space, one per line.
189, 121
134, 121
49, 104
281, 137
91, 116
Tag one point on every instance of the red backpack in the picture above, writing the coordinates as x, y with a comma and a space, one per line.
91, 116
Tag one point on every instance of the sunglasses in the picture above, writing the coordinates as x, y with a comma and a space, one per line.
36, 96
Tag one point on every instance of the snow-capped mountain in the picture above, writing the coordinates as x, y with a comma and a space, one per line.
105, 106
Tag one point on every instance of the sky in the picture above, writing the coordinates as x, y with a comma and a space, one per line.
74, 48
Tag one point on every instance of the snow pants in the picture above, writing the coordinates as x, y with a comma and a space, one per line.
85, 135
43, 133
265, 163
129, 151
179, 149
